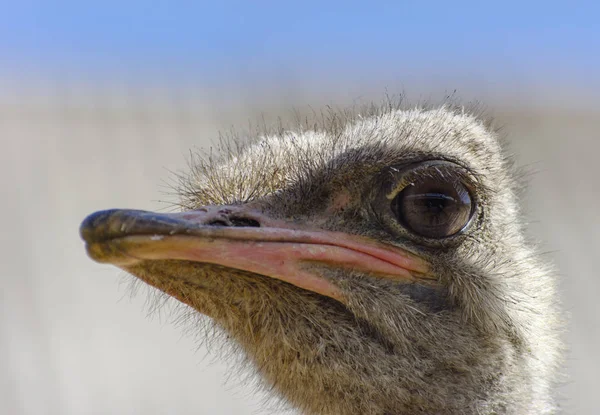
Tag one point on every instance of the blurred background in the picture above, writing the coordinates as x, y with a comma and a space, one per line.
100, 101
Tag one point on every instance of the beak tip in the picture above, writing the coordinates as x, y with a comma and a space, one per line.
90, 225
107, 224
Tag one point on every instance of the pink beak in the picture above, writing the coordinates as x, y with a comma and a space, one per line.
240, 238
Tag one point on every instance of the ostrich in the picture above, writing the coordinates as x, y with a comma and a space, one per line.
367, 263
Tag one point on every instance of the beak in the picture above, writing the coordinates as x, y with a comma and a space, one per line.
238, 237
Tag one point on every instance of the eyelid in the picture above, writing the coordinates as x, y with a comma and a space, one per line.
409, 174
399, 187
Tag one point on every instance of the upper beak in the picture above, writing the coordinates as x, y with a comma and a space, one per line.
238, 237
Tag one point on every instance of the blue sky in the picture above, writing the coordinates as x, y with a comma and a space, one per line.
219, 40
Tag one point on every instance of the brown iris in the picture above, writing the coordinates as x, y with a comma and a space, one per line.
433, 207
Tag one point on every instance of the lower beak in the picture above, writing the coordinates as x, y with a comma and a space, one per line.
239, 238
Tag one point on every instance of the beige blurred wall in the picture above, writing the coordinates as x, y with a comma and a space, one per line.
73, 341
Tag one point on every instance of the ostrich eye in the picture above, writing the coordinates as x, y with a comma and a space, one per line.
433, 207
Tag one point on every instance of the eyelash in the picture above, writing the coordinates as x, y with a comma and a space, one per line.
404, 178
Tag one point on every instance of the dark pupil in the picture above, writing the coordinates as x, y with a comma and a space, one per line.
433, 209
434, 202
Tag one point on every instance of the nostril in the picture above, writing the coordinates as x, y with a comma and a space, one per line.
217, 222
244, 222
236, 221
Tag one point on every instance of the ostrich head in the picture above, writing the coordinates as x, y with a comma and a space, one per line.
370, 264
